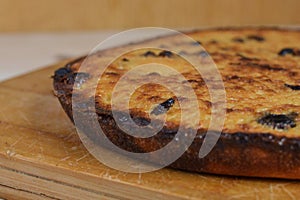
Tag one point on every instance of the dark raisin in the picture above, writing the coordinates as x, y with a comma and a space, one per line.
149, 53
196, 43
125, 60
286, 51
168, 54
163, 107
203, 53
257, 38
293, 87
62, 72
238, 39
278, 121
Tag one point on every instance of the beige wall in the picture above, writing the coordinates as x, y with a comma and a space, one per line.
64, 15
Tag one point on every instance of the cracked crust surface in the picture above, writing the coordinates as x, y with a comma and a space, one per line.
261, 131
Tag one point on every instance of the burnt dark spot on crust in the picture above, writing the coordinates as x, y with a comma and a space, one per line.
111, 74
257, 38
245, 58
213, 42
237, 87
246, 109
225, 48
238, 40
286, 51
233, 77
149, 54
163, 107
278, 121
168, 54
266, 66
229, 110
291, 73
141, 121
293, 87
154, 74
192, 81
125, 60
239, 79
258, 65
195, 82
207, 103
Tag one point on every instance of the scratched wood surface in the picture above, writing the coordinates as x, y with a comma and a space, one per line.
41, 157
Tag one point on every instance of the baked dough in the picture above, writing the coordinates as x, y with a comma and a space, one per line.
260, 68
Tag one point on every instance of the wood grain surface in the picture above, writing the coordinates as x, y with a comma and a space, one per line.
41, 157
64, 15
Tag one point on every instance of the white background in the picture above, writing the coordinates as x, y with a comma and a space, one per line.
22, 53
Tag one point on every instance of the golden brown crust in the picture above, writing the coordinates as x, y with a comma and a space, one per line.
257, 79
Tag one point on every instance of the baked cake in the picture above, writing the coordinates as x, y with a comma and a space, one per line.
260, 68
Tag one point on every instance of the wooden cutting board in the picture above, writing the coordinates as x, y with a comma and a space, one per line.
41, 157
